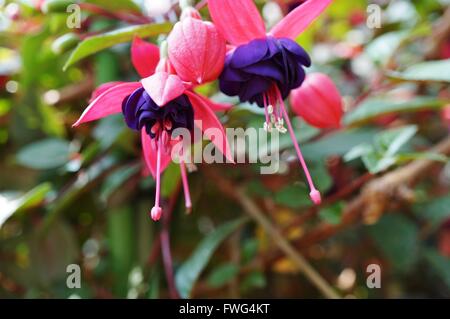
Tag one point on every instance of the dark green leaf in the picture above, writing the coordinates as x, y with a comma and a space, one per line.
45, 154
255, 279
116, 5
435, 211
397, 238
439, 264
191, 269
11, 204
332, 214
100, 42
376, 107
294, 196
117, 179
222, 275
437, 71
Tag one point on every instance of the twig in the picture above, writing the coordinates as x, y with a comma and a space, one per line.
253, 211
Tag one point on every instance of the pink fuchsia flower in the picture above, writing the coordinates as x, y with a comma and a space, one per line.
318, 101
263, 67
196, 48
155, 106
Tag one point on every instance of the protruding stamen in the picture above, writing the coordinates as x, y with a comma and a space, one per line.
280, 126
187, 193
167, 125
267, 125
156, 211
155, 128
314, 194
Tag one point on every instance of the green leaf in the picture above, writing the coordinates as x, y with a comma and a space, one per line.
434, 71
391, 141
170, 179
358, 151
45, 154
117, 179
377, 163
294, 196
108, 130
332, 214
435, 211
222, 275
191, 269
116, 5
373, 108
425, 155
255, 279
337, 144
439, 264
382, 48
397, 238
103, 41
11, 204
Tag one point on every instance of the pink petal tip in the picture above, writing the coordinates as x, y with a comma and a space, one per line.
156, 213
315, 196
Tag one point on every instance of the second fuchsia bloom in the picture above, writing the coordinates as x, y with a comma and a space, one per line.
318, 101
164, 100
264, 68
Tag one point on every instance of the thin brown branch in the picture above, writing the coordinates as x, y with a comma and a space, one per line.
283, 244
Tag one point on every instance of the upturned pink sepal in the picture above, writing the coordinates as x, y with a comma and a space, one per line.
163, 87
209, 120
145, 57
238, 21
299, 19
107, 103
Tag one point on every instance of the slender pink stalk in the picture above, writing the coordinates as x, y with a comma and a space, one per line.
156, 210
187, 193
266, 104
314, 194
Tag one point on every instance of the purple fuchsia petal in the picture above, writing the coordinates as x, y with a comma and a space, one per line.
251, 69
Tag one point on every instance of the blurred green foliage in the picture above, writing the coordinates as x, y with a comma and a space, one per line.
79, 196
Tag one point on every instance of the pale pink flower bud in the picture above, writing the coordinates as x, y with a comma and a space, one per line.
318, 101
196, 50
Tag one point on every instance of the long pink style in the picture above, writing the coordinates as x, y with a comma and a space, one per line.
156, 211
314, 193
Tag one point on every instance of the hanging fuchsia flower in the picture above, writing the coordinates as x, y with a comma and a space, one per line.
318, 101
160, 103
264, 68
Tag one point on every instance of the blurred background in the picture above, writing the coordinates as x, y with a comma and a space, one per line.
79, 196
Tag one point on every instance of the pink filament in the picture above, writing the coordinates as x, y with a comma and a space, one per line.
266, 104
314, 194
187, 193
156, 210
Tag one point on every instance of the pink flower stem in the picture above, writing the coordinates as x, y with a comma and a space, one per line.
187, 193
266, 113
314, 194
156, 210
